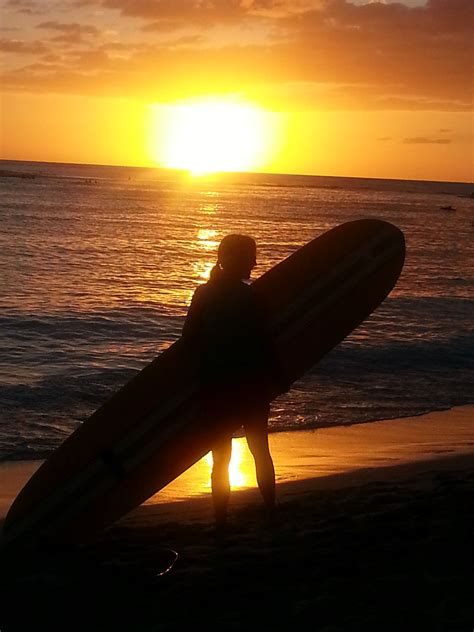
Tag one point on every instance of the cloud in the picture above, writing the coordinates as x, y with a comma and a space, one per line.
199, 13
72, 33
24, 6
307, 54
423, 140
22, 47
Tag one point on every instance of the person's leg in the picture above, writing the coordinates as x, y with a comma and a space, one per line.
221, 453
256, 431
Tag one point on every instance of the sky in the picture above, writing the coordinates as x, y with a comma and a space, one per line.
348, 87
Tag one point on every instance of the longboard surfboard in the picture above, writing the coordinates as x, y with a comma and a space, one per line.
151, 430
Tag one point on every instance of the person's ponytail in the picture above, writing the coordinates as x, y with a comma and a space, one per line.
216, 273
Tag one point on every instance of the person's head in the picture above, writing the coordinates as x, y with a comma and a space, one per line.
236, 257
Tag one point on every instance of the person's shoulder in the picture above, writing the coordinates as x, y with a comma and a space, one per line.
205, 292
200, 289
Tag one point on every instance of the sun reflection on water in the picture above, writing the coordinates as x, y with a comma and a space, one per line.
202, 269
241, 468
207, 239
206, 244
209, 208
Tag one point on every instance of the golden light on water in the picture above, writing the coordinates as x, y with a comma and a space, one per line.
207, 238
203, 269
210, 135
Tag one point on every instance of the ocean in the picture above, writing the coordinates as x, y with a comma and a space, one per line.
98, 265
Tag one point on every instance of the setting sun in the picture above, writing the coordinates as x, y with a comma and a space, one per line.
209, 135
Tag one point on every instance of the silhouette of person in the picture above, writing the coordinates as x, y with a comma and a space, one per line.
237, 361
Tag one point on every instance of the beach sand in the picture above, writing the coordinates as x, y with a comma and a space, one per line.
374, 532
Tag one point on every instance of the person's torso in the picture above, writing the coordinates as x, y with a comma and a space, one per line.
233, 335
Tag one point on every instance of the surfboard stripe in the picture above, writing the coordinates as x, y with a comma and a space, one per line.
99, 476
344, 287
107, 467
339, 272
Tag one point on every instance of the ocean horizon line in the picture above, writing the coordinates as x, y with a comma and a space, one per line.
219, 174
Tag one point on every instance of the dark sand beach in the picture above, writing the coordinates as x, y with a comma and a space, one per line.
376, 537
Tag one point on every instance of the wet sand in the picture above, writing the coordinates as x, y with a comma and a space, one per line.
374, 532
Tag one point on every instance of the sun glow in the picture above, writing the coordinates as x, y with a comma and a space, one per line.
210, 135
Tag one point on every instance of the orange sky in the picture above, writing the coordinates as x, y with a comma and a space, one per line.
351, 87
